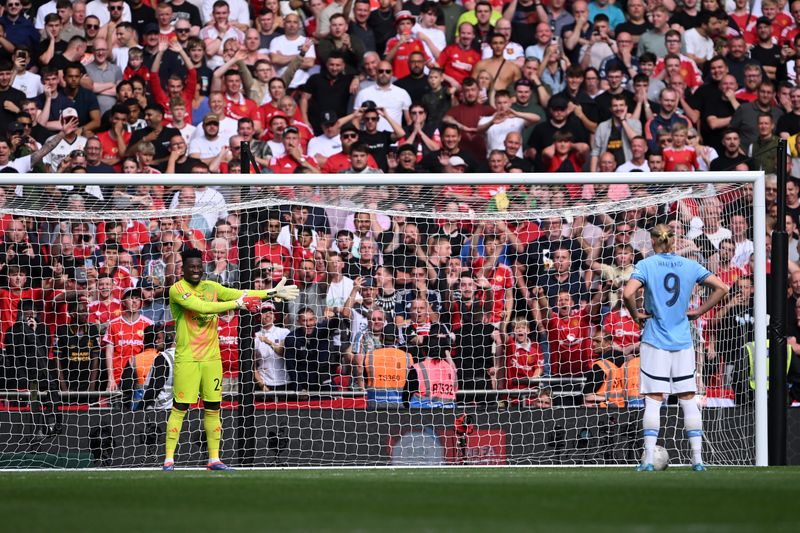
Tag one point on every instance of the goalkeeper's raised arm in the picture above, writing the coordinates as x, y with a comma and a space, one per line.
227, 298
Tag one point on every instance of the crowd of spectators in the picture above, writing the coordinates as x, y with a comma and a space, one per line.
397, 87
411, 86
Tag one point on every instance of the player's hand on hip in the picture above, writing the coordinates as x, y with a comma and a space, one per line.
285, 292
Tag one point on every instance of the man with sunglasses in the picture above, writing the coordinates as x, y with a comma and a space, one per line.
108, 10
341, 161
377, 141
188, 12
393, 99
19, 29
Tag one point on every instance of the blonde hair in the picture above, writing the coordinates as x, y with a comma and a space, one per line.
663, 237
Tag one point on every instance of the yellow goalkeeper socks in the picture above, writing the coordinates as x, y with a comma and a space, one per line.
213, 428
174, 424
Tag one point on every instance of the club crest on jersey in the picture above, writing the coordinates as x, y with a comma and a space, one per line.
186, 295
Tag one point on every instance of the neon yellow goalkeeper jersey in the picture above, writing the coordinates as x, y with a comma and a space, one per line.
195, 310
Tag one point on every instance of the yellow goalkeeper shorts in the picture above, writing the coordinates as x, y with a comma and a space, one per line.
197, 378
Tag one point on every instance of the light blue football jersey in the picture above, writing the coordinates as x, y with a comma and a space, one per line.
668, 281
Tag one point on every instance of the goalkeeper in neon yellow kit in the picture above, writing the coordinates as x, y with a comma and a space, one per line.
195, 304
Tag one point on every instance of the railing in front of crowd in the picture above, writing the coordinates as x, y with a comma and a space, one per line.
559, 386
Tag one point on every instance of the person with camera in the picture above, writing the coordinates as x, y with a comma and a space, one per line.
431, 383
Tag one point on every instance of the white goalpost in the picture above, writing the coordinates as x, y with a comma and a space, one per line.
520, 273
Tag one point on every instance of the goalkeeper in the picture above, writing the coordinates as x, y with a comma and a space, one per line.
195, 303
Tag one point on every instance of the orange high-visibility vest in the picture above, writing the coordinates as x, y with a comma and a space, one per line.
630, 380
142, 362
612, 383
386, 370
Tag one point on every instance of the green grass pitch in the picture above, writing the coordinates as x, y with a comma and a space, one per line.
455, 499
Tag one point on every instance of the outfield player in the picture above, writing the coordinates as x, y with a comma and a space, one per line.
195, 304
667, 352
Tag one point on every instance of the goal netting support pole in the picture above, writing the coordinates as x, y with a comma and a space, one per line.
520, 272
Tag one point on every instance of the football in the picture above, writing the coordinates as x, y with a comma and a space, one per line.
660, 458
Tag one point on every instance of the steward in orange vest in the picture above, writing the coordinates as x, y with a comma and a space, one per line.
611, 381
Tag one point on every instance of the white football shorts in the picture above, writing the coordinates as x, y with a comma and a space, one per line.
667, 372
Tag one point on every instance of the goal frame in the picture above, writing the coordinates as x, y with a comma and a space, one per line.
757, 178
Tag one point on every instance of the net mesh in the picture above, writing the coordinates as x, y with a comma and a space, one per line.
516, 287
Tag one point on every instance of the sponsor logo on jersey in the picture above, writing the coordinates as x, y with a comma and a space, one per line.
186, 295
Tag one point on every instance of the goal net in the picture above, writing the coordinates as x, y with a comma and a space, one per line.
450, 324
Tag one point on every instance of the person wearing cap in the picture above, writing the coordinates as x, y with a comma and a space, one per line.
68, 144
209, 144
270, 374
26, 163
405, 162
329, 142
559, 119
400, 47
377, 141
293, 156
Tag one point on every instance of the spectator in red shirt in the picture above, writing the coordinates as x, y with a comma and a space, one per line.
10, 297
176, 86
124, 337
400, 47
294, 157
523, 357
339, 162
568, 329
106, 308
458, 59
115, 141
236, 104
679, 152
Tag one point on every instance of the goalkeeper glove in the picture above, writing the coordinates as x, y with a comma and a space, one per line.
283, 291
251, 303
